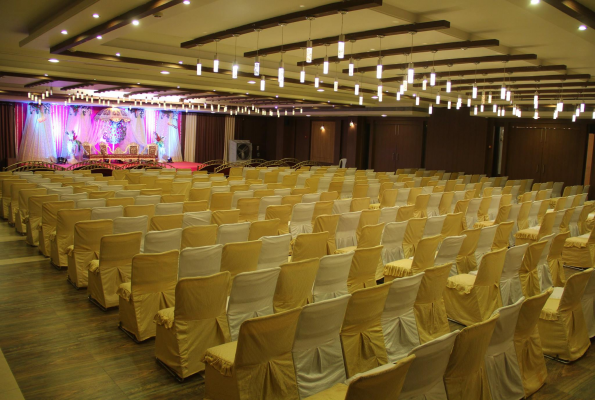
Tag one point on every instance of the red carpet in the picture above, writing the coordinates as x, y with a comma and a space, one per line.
184, 164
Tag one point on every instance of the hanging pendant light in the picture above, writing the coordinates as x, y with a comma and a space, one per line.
424, 84
216, 58
257, 58
433, 73
398, 96
341, 43
582, 107
404, 84
578, 111
494, 108
262, 83
508, 94
489, 97
309, 42
379, 88
560, 105
336, 82
438, 98
351, 63
474, 93
468, 101
481, 108
503, 92
417, 100
325, 63
448, 85
303, 71
536, 100
411, 70
379, 64
475, 110
449, 104
281, 71
430, 109
316, 80
235, 67
356, 88
361, 100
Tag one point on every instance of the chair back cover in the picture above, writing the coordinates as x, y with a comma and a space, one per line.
147, 199
294, 285
221, 217
484, 243
107, 212
232, 233
331, 277
449, 250
434, 225
162, 241
259, 229
341, 206
301, 219
317, 353
388, 214
200, 261
274, 251
196, 218
90, 203
265, 202
362, 273
345, 235
398, 318
251, 296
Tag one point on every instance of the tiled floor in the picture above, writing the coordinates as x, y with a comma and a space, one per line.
60, 346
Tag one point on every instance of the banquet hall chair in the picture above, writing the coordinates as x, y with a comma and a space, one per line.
259, 229
196, 323
151, 288
169, 208
364, 264
200, 261
162, 241
231, 233
301, 219
112, 268
429, 307
422, 259
331, 277
309, 245
147, 199
33, 221
220, 201
165, 222
199, 235
85, 249
119, 201
240, 257
221, 217
107, 212
22, 216
63, 236
274, 251
281, 212
528, 273
294, 284
196, 218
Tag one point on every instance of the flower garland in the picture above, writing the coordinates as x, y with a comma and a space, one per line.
74, 109
43, 108
159, 140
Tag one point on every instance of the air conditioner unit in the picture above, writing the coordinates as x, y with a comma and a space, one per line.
239, 150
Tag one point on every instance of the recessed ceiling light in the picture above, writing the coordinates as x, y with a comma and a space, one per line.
95, 15
54, 60
372, 49
582, 28
99, 37
64, 32
138, 83
135, 22
276, 95
307, 115
534, 2
45, 74
301, 6
374, 97
383, 115
320, 90
165, 72
180, 62
251, 82
247, 93
186, 2
117, 54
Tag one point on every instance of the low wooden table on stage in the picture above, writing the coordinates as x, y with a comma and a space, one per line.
121, 157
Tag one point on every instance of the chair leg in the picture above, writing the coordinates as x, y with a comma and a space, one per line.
130, 335
168, 369
566, 362
73, 284
95, 302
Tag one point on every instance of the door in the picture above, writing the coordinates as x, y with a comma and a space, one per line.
385, 147
523, 158
409, 145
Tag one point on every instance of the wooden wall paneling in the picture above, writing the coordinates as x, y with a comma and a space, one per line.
383, 146
338, 139
409, 144
524, 152
302, 139
564, 152
289, 131
349, 141
253, 129
322, 143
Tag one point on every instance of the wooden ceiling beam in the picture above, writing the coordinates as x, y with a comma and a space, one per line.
533, 86
513, 78
298, 16
451, 61
575, 10
111, 89
142, 11
482, 72
389, 31
39, 83
463, 45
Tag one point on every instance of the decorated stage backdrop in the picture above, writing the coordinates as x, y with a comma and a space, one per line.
52, 131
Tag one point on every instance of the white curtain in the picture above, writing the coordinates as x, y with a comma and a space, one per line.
167, 126
230, 127
190, 140
38, 142
136, 129
79, 121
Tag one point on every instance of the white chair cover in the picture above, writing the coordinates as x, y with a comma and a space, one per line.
345, 235
251, 296
61, 190
532, 219
83, 178
301, 219
388, 214
258, 187
231, 233
513, 216
196, 218
502, 367
220, 189
373, 192
74, 197
147, 199
161, 241
128, 193
90, 203
132, 224
484, 243
282, 192
317, 352
169, 208
342, 206
311, 198
402, 196
274, 251
331, 277
347, 190
324, 183
494, 206
471, 215
424, 378
107, 212
543, 268
398, 318
433, 204
558, 220
201, 185
241, 194
433, 226
583, 197
49, 185
265, 202
449, 249
457, 196
510, 283
111, 188
392, 241
588, 304
200, 261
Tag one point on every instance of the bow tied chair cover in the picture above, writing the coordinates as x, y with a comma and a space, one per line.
429, 308
346, 233
294, 285
162, 241
501, 364
381, 383
362, 273
112, 268
282, 213
200, 261
259, 365
151, 288
425, 379
361, 334
423, 259
196, 323
301, 219
465, 376
398, 318
86, 249
562, 327
471, 299
22, 218
33, 222
534, 234
309, 245
579, 251
527, 343
331, 277
274, 251
63, 236
528, 272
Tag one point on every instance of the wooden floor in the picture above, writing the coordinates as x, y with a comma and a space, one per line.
60, 346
